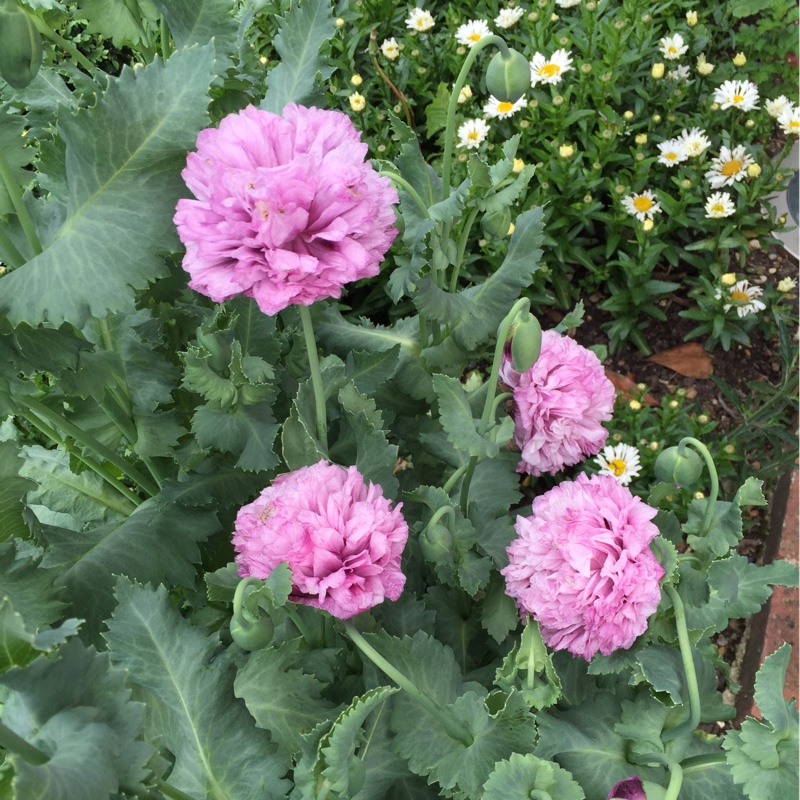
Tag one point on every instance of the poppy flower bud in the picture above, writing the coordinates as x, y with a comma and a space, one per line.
526, 343
20, 47
682, 469
436, 543
508, 76
495, 224
251, 633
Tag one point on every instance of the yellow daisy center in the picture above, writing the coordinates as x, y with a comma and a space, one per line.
794, 125
738, 98
672, 49
671, 156
473, 136
474, 37
739, 296
642, 203
731, 167
617, 466
718, 208
504, 107
549, 70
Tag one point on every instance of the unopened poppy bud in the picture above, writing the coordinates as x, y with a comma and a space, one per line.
495, 224
526, 342
252, 635
218, 349
682, 469
508, 76
436, 543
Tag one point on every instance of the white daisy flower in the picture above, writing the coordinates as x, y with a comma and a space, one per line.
679, 74
473, 133
673, 151
390, 49
737, 94
673, 47
502, 109
745, 298
789, 120
776, 107
470, 33
550, 70
695, 141
420, 20
568, 3
508, 17
719, 205
620, 461
728, 167
642, 205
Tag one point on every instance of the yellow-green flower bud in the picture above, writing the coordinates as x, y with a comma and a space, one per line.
495, 224
508, 77
681, 469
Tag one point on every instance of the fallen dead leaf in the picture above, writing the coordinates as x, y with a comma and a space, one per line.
690, 360
625, 386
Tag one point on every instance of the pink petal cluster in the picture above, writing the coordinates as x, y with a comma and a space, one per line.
582, 566
286, 211
559, 405
339, 535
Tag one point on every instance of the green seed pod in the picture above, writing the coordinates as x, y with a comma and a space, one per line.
436, 544
252, 635
508, 77
496, 224
682, 470
20, 47
526, 343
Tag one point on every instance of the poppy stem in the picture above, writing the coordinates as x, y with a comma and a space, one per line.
712, 472
316, 375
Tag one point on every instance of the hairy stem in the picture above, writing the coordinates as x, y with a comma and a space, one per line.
63, 43
712, 471
316, 375
674, 768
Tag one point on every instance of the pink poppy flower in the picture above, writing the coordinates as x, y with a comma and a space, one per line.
340, 536
582, 566
559, 405
287, 210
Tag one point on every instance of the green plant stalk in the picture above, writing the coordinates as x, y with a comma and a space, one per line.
453, 727
47, 431
171, 792
407, 187
462, 248
316, 375
16, 744
20, 210
63, 43
166, 44
449, 131
12, 256
453, 479
298, 622
501, 398
530, 677
55, 419
688, 725
699, 763
675, 772
712, 471
439, 513
488, 406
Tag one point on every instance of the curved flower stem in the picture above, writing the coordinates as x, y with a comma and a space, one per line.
449, 131
64, 44
47, 431
54, 418
16, 744
701, 762
15, 195
453, 479
407, 187
688, 725
675, 771
712, 471
298, 622
316, 375
501, 398
11, 254
439, 513
462, 246
488, 406
453, 727
171, 792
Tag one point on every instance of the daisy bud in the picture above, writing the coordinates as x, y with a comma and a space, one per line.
786, 285
641, 138
356, 80
728, 279
647, 226
656, 117
508, 76
739, 60
658, 71
566, 151
357, 101
554, 18
628, 115
519, 164
465, 94
340, 23
691, 18
682, 469
750, 124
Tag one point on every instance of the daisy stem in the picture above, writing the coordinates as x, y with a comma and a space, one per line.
712, 471
454, 728
674, 768
688, 725
449, 131
521, 305
15, 195
316, 375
